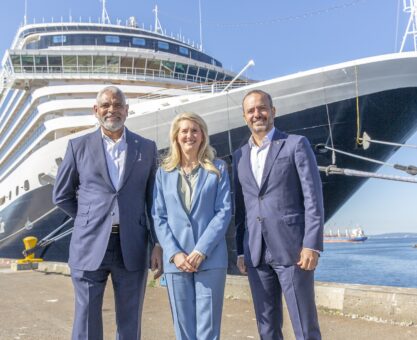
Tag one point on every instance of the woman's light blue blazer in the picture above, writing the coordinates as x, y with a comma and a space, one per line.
204, 228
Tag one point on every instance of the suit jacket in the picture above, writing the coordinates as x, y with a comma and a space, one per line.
287, 209
83, 189
204, 228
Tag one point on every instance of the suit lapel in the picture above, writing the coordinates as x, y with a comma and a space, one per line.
202, 176
173, 183
274, 149
96, 149
247, 166
133, 150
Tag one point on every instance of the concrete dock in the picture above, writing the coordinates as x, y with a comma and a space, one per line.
38, 305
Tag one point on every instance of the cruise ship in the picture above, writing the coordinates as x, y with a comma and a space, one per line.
52, 72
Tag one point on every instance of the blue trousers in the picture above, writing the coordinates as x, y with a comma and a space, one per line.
129, 290
196, 303
268, 282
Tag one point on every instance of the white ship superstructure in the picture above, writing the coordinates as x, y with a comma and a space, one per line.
52, 72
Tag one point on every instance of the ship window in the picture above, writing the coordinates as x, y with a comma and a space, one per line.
112, 64
10, 195
183, 50
192, 72
17, 191
220, 76
202, 73
16, 63
27, 63
138, 41
180, 68
59, 39
58, 161
162, 45
26, 185
168, 68
139, 65
112, 39
55, 63
153, 65
126, 65
70, 63
40, 64
99, 63
2, 200
212, 75
84, 63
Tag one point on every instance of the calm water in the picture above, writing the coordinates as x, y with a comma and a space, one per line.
377, 261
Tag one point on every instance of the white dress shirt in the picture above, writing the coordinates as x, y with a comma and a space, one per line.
115, 152
258, 155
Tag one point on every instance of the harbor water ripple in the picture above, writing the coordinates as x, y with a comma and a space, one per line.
378, 261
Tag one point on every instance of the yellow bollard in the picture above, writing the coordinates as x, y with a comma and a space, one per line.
29, 242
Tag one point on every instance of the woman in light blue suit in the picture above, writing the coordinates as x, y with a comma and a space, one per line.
192, 211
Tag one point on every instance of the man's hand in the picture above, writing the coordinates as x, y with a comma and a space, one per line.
156, 261
181, 262
308, 259
195, 259
241, 265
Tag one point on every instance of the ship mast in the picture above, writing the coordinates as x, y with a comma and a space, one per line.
201, 27
158, 27
104, 15
26, 12
410, 6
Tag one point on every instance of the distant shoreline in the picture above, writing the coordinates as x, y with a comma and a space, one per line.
394, 235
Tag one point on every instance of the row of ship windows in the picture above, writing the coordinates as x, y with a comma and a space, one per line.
123, 41
109, 64
43, 179
140, 42
25, 187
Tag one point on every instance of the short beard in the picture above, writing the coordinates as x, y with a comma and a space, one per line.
111, 126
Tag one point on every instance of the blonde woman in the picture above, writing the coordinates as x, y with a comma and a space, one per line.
192, 211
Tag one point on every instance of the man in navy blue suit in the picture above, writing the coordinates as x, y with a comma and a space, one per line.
279, 221
105, 183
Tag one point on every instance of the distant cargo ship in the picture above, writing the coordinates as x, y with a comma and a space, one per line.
354, 235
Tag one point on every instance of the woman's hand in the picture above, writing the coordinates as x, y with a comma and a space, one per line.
182, 263
195, 259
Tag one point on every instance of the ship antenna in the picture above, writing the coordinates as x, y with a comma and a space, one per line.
104, 16
201, 26
410, 6
25, 16
158, 27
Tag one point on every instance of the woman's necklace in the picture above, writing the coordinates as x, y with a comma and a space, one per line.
189, 172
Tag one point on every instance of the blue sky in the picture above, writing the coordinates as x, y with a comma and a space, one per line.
282, 37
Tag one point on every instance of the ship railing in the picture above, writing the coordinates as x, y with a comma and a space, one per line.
214, 87
130, 73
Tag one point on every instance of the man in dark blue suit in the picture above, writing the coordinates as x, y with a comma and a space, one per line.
105, 183
279, 221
